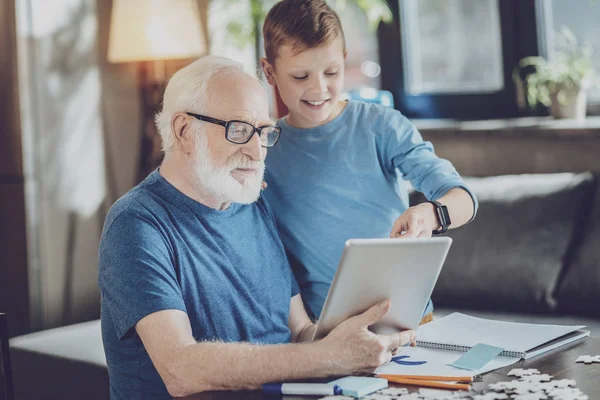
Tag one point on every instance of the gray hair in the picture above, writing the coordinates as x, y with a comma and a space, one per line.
188, 91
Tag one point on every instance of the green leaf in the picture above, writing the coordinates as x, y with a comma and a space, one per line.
243, 32
377, 11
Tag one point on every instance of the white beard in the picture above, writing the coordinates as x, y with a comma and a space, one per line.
219, 182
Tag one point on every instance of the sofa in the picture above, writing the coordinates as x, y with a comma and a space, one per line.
531, 255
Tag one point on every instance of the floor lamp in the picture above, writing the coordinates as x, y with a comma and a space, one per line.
149, 32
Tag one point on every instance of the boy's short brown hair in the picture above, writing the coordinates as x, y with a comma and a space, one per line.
305, 24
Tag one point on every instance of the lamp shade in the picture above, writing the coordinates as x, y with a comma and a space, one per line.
143, 30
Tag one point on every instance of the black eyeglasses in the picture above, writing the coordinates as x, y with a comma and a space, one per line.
240, 132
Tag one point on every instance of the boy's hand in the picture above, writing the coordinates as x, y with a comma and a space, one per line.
417, 221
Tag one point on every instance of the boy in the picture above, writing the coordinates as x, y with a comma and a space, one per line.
337, 170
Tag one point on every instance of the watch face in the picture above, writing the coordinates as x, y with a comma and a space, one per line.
445, 216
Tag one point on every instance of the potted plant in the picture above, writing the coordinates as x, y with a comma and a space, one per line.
561, 82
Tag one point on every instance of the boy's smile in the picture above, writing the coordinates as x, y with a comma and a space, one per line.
315, 104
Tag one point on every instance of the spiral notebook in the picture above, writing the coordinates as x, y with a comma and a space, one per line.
460, 332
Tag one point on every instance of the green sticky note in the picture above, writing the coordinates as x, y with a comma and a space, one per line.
477, 357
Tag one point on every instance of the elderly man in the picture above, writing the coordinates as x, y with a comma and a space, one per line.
197, 293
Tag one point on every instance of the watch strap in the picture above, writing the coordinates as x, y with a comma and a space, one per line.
443, 217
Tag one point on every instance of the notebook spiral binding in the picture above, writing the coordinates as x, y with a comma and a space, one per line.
457, 347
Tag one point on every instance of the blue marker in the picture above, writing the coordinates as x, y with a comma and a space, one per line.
307, 389
400, 360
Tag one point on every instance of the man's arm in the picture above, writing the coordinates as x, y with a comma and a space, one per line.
187, 367
300, 324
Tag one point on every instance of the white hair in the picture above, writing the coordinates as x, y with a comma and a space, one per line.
188, 91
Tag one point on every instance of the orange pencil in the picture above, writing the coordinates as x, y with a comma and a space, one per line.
430, 377
426, 383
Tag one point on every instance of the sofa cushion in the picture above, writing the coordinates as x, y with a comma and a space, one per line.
62, 363
580, 289
80, 342
510, 257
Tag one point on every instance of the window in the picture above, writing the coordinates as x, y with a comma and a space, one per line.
452, 46
238, 47
581, 17
362, 63
455, 58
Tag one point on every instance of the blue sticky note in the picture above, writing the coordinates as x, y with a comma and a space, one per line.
359, 386
477, 357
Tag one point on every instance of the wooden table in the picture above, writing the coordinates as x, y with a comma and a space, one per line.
559, 363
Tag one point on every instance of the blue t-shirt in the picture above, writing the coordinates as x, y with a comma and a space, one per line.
161, 250
343, 180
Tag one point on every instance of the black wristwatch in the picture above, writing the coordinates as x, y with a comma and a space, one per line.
442, 215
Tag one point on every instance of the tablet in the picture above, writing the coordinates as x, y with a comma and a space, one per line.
370, 270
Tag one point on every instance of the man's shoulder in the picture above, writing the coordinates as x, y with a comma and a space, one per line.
136, 222
137, 203
131, 201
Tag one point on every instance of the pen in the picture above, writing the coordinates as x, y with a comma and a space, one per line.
430, 377
427, 383
308, 389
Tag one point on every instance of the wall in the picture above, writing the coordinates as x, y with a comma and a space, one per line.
521, 146
14, 293
80, 118
69, 145
62, 132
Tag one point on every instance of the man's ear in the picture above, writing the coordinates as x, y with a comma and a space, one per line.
183, 133
345, 54
268, 70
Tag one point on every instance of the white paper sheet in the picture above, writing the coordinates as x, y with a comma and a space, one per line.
437, 363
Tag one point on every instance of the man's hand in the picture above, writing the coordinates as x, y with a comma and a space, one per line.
357, 349
417, 221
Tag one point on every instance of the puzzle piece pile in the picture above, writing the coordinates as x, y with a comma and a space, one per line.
529, 385
535, 386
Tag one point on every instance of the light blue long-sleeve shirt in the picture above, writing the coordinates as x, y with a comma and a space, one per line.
344, 180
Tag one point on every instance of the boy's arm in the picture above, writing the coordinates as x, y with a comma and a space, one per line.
187, 367
435, 177
460, 207
421, 220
